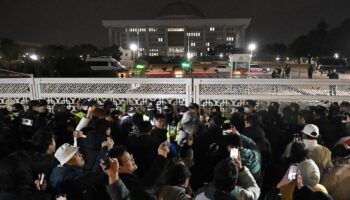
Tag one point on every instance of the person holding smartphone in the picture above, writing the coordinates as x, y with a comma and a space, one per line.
302, 171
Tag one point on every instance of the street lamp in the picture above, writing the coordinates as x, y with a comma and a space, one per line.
133, 48
34, 57
336, 55
251, 47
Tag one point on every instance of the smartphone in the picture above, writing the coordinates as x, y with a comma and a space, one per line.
234, 153
42, 176
292, 174
106, 161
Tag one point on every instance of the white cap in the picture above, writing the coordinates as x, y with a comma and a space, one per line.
65, 152
311, 130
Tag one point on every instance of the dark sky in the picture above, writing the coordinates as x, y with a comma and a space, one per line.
72, 22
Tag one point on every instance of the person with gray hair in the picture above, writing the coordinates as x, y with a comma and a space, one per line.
190, 126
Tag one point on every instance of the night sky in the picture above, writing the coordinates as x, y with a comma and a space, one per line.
70, 22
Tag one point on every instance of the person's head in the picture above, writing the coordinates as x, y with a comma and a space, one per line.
42, 107
17, 109
33, 105
190, 122
273, 108
215, 110
99, 113
298, 151
136, 119
304, 117
216, 120
178, 175
126, 160
237, 121
310, 132
160, 121
145, 127
232, 141
167, 109
43, 141
102, 127
320, 112
341, 153
225, 175
253, 120
83, 105
69, 155
130, 110
249, 106
151, 106
109, 106
193, 107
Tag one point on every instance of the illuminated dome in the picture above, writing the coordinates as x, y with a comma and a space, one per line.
180, 10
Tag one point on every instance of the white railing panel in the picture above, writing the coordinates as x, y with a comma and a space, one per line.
229, 93
16, 90
136, 91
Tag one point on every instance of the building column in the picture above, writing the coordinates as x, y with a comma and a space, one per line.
147, 41
166, 43
127, 43
186, 41
224, 31
240, 38
116, 37
204, 41
110, 36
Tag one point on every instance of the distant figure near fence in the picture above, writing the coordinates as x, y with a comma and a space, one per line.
333, 88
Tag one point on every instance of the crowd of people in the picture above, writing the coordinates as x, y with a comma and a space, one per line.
175, 152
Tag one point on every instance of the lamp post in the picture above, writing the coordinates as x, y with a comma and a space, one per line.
336, 55
133, 48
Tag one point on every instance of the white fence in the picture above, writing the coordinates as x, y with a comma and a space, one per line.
226, 93
121, 91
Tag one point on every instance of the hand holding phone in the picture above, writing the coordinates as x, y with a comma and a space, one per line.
234, 153
292, 174
41, 176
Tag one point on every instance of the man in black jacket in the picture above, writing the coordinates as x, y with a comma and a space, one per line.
127, 168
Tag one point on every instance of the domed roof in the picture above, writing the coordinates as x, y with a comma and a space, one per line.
180, 10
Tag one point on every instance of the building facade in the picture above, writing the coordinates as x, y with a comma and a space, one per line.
179, 30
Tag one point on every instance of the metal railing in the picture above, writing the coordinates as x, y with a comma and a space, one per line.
226, 93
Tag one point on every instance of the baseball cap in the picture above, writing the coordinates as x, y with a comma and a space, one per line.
311, 130
65, 152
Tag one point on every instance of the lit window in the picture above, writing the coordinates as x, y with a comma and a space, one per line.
208, 49
152, 29
212, 28
207, 44
176, 29
229, 39
160, 39
193, 44
193, 34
